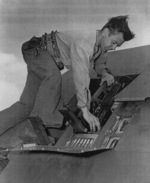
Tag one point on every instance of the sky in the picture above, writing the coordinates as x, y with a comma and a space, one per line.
22, 19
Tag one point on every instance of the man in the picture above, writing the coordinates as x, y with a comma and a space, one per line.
84, 53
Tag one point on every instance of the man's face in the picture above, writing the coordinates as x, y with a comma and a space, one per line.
111, 41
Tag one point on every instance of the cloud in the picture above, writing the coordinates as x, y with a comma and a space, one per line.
12, 79
9, 94
21, 19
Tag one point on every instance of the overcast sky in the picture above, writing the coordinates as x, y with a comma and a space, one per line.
21, 19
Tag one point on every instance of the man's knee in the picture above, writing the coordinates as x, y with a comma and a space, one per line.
25, 47
33, 43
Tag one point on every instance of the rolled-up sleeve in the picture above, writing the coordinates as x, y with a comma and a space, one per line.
80, 52
101, 64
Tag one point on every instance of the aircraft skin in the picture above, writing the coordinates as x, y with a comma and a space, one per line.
129, 159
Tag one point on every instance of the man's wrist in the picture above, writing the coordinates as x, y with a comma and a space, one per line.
106, 72
84, 109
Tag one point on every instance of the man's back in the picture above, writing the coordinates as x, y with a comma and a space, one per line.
66, 38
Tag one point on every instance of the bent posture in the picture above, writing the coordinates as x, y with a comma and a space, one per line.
84, 53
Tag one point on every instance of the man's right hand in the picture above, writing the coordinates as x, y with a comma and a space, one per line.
92, 120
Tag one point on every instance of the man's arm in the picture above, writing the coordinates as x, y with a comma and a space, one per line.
102, 70
80, 68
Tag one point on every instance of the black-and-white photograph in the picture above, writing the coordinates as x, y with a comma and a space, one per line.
74, 91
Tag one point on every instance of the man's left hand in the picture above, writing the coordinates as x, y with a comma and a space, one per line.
108, 78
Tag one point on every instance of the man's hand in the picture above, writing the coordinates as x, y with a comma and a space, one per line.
92, 120
108, 78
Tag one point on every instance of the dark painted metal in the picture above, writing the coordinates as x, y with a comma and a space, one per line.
129, 162
138, 90
40, 131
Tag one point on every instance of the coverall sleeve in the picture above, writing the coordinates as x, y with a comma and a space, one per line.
101, 64
80, 67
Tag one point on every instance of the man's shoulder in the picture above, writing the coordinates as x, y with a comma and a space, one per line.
78, 37
78, 33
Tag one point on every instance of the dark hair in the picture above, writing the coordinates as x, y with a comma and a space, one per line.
120, 24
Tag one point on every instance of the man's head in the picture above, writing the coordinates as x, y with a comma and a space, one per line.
114, 33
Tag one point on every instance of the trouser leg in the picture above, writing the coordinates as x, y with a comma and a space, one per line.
12, 116
41, 95
49, 92
47, 100
30, 91
21, 109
